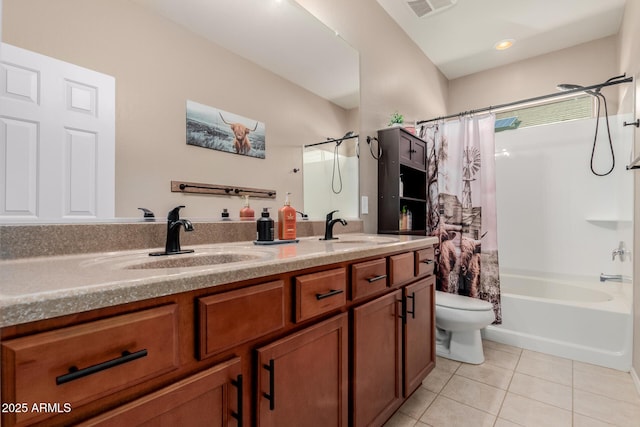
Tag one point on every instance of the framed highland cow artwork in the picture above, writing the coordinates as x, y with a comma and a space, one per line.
216, 129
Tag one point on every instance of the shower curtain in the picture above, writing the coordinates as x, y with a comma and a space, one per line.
462, 206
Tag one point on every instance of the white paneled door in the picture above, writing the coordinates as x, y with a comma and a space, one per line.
57, 139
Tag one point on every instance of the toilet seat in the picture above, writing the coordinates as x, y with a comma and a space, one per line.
461, 302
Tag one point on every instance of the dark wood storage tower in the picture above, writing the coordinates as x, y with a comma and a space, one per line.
402, 154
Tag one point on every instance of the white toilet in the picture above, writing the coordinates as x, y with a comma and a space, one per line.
458, 323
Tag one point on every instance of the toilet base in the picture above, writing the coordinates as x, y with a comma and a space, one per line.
463, 346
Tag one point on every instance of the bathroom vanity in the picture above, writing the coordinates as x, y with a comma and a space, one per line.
314, 333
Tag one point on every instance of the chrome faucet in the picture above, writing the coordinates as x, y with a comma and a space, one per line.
330, 222
621, 251
172, 247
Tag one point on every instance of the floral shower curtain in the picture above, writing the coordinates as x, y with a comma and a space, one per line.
462, 206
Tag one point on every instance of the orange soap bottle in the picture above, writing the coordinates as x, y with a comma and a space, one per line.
287, 221
246, 213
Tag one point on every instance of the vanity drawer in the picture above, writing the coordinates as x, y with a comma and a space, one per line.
233, 318
368, 278
425, 262
401, 268
319, 293
78, 364
206, 398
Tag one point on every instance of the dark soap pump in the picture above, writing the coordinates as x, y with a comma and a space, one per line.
265, 227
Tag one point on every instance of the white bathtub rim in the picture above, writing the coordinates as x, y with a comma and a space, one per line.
559, 277
619, 360
620, 293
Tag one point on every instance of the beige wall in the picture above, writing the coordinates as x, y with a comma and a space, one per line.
394, 75
629, 62
585, 64
158, 66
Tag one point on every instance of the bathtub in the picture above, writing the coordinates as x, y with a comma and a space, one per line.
586, 321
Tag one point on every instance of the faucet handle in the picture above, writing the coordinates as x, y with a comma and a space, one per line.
330, 215
147, 213
621, 250
174, 214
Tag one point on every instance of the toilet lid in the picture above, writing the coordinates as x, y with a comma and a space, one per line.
460, 302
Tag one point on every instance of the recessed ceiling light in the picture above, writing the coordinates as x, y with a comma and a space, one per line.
504, 44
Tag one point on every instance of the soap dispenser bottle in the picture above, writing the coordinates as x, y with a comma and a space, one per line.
287, 221
265, 227
246, 213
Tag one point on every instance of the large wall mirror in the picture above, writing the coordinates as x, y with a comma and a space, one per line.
266, 59
331, 177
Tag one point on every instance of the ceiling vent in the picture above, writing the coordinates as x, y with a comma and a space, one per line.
424, 8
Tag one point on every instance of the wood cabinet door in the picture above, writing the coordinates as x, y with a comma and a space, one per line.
412, 151
419, 345
418, 154
404, 148
303, 378
208, 398
377, 374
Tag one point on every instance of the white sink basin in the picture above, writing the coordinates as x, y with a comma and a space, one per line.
194, 260
202, 258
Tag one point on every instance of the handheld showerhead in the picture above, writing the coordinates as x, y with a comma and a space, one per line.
599, 98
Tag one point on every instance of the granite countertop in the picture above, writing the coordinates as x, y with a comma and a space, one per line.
45, 287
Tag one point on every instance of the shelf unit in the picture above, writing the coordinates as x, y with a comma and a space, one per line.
403, 154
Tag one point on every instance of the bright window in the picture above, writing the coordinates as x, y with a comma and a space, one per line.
573, 108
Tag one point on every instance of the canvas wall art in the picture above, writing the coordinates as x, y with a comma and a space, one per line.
216, 129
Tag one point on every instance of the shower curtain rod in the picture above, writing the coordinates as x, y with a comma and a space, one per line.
328, 141
534, 99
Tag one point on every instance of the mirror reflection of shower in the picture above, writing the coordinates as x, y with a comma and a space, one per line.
330, 177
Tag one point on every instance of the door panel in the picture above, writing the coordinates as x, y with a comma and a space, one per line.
57, 138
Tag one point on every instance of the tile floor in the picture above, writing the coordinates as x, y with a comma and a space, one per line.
516, 387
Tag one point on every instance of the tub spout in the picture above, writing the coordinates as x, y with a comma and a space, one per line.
610, 277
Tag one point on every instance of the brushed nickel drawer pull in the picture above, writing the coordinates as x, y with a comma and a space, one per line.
331, 293
427, 261
75, 373
376, 278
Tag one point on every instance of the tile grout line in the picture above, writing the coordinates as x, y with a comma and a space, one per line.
573, 389
439, 392
507, 391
